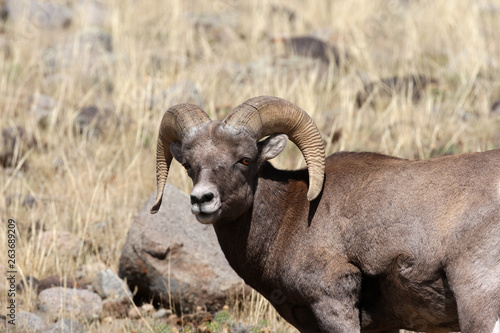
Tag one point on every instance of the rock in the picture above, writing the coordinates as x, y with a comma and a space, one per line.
40, 14
66, 325
198, 318
108, 285
495, 107
29, 322
311, 47
28, 201
87, 117
42, 107
59, 301
391, 86
64, 241
170, 255
29, 284
174, 320
240, 328
282, 10
93, 120
147, 308
217, 28
115, 308
134, 313
162, 313
14, 142
56, 281
4, 10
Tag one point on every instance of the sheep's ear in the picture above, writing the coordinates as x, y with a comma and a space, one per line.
175, 149
272, 146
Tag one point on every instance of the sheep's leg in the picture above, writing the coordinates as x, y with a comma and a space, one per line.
308, 320
478, 310
479, 324
336, 307
477, 293
334, 315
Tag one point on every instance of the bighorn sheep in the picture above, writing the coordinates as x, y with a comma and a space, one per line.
366, 243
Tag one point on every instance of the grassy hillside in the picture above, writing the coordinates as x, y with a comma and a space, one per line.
88, 96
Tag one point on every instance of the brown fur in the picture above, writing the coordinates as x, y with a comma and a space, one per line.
389, 243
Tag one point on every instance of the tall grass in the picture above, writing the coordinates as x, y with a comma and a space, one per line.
93, 184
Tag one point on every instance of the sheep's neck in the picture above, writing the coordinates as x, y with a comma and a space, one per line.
247, 241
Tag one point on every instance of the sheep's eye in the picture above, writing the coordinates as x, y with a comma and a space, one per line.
186, 166
245, 161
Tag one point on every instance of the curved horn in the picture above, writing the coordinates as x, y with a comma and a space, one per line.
265, 115
178, 122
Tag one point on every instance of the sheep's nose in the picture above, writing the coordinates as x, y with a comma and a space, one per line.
201, 198
205, 202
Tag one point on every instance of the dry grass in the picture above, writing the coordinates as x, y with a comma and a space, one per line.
92, 185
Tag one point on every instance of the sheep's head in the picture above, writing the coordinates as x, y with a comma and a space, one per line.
223, 158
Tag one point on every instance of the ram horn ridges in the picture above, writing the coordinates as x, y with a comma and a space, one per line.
266, 115
178, 122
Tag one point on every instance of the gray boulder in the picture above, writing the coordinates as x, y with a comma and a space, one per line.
108, 285
29, 322
58, 301
170, 256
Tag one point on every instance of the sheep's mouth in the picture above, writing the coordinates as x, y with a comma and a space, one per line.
206, 213
207, 218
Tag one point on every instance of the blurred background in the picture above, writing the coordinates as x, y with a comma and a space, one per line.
84, 84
